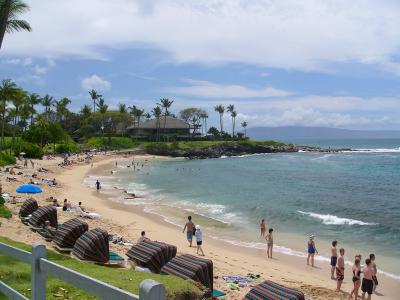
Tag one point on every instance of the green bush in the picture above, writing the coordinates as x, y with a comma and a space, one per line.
4, 212
6, 159
2, 201
117, 143
31, 150
67, 148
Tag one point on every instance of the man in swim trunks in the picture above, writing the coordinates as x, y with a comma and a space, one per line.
189, 227
367, 282
340, 270
333, 259
373, 265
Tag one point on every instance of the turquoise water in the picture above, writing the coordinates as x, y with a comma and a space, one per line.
352, 197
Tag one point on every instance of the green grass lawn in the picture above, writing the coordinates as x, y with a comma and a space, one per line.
17, 274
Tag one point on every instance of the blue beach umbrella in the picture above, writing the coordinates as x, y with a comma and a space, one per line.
28, 189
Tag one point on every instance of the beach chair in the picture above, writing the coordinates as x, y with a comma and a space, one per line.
270, 290
26, 210
41, 215
68, 234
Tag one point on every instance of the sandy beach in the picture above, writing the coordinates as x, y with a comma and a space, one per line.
128, 221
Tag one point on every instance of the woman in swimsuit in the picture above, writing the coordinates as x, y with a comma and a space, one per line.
311, 250
270, 242
356, 278
262, 228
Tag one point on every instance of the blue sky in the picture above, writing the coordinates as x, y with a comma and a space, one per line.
309, 63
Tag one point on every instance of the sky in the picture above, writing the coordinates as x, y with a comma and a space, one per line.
280, 62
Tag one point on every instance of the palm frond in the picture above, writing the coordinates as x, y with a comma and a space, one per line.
17, 25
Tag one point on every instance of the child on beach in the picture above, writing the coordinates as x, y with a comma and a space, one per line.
311, 250
373, 265
189, 227
270, 242
333, 259
356, 278
199, 240
367, 284
340, 270
262, 228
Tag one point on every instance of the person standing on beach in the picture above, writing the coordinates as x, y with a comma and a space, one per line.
333, 259
367, 284
373, 265
262, 228
270, 242
98, 185
199, 240
356, 278
189, 227
311, 250
340, 270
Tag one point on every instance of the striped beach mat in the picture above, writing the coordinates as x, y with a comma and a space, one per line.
191, 267
71, 230
42, 214
151, 254
28, 207
93, 246
269, 290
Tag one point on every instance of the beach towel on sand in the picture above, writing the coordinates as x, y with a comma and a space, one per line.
269, 290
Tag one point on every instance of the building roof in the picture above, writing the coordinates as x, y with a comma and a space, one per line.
171, 123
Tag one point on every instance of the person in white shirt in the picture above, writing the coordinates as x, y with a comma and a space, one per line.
199, 240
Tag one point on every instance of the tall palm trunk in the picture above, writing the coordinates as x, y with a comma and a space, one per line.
220, 122
3, 121
233, 127
3, 18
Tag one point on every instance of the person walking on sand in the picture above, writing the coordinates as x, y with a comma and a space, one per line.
311, 250
367, 284
189, 227
356, 278
270, 242
340, 270
373, 265
262, 228
199, 240
333, 259
98, 185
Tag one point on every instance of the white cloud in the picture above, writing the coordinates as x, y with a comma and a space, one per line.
206, 89
290, 34
95, 82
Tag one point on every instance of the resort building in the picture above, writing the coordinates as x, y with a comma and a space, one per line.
163, 126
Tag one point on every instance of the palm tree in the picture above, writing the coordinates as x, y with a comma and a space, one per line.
85, 111
9, 11
102, 106
165, 103
7, 93
244, 125
61, 108
156, 111
138, 115
33, 99
221, 110
231, 110
203, 116
94, 95
18, 100
122, 108
47, 101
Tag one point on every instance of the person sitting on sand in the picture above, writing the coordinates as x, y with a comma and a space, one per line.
356, 278
189, 227
270, 242
49, 231
311, 250
262, 228
340, 270
333, 259
373, 265
143, 238
55, 203
199, 240
367, 284
66, 205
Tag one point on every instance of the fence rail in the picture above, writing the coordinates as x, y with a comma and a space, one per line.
149, 289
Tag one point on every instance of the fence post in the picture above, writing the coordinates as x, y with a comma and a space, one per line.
151, 290
38, 276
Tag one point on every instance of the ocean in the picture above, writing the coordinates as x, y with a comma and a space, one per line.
352, 197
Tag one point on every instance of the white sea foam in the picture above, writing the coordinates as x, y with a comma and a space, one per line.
381, 150
334, 220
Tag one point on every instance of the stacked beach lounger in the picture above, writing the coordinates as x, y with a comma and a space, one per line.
43, 214
27, 208
151, 254
93, 245
68, 234
191, 267
269, 290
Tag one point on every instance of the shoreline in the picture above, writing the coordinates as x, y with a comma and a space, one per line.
130, 220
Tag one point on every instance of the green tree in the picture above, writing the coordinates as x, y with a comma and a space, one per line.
8, 89
221, 110
85, 111
138, 115
102, 106
47, 101
9, 22
62, 109
122, 108
166, 104
156, 111
33, 99
95, 96
244, 125
231, 110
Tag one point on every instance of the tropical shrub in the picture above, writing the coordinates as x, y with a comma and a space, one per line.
6, 159
67, 148
31, 150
